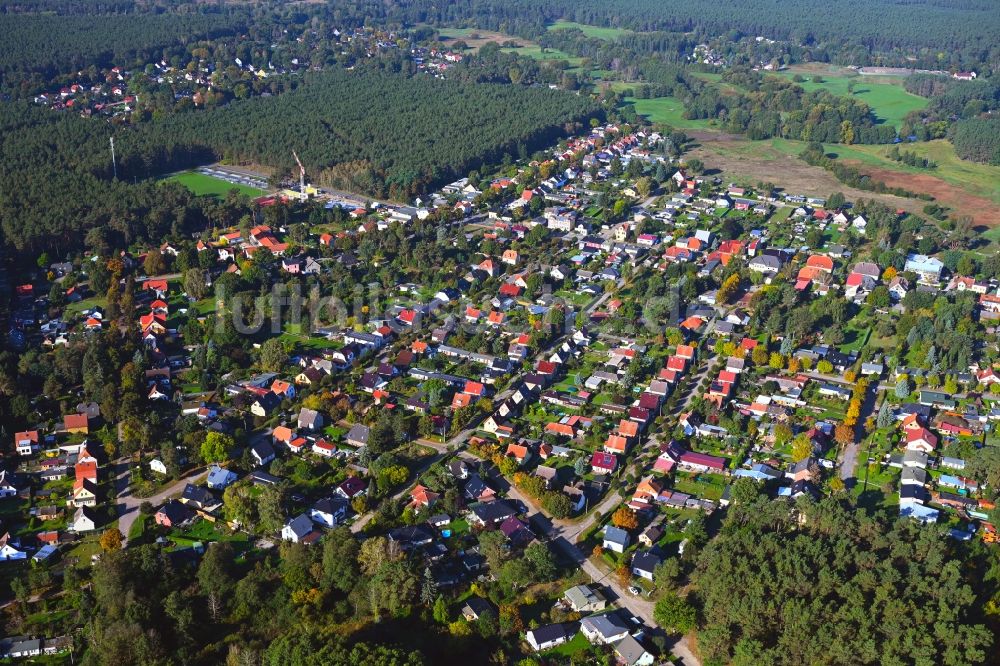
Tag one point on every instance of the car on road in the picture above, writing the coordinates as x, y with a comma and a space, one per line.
634, 590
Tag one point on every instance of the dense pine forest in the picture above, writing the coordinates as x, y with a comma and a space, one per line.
43, 45
842, 587
380, 133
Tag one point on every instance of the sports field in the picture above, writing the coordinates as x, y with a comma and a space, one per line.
589, 30
203, 185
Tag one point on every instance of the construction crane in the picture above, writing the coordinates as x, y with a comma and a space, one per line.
302, 173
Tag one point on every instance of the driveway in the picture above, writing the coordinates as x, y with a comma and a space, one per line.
128, 506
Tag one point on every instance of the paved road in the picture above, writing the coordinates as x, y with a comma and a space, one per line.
128, 506
562, 535
443, 450
848, 457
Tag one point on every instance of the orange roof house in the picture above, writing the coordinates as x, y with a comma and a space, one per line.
76, 423
616, 444
628, 428
693, 323
86, 470
820, 262
518, 452
422, 497
563, 429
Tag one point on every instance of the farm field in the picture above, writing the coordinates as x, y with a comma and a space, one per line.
590, 30
966, 187
203, 185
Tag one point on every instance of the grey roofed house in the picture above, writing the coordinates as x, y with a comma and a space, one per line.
583, 598
261, 478
631, 653
913, 476
474, 607
491, 513
412, 536
652, 534
358, 435
914, 493
914, 459
644, 564
765, 263
800, 466
198, 496
606, 628
475, 487
262, 451
329, 511
297, 528
310, 419
953, 463
616, 537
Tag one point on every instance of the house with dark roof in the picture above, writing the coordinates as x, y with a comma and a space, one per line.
199, 497
262, 452
357, 436
548, 636
644, 563
329, 512
172, 514
488, 514
412, 536
351, 487
604, 629
300, 530
474, 607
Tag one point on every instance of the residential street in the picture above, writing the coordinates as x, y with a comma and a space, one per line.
562, 534
128, 506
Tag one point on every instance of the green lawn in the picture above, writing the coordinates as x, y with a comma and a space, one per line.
666, 110
203, 185
204, 531
889, 101
589, 30
579, 643
138, 527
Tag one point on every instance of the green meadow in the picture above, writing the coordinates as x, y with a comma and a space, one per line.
589, 30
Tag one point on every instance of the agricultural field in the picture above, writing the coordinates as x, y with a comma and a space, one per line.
965, 187
203, 185
590, 30
884, 94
